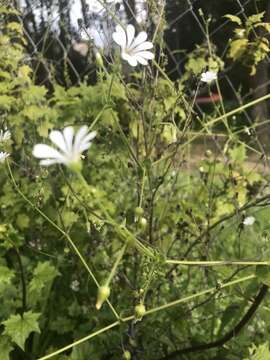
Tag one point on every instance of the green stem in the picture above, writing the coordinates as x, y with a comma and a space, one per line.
204, 292
163, 74
142, 188
78, 342
217, 263
125, 140
105, 107
121, 230
70, 241
148, 312
118, 259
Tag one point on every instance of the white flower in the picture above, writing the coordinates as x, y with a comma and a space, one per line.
4, 135
133, 49
249, 220
208, 76
71, 147
3, 156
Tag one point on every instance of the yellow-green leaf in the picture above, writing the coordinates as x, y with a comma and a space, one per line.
18, 327
234, 18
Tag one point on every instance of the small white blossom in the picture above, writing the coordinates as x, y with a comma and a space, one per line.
75, 285
3, 156
70, 147
208, 76
133, 49
248, 221
4, 135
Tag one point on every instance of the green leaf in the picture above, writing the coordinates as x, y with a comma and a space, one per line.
6, 275
44, 274
237, 48
238, 153
35, 94
44, 127
259, 353
15, 26
5, 347
20, 327
230, 316
69, 217
22, 221
265, 25
6, 102
263, 274
253, 19
34, 112
81, 352
169, 134
234, 18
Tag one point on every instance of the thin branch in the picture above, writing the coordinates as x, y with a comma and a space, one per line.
227, 337
148, 312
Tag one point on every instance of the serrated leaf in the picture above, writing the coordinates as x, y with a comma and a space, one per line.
43, 276
6, 275
259, 353
5, 347
69, 217
237, 48
15, 26
238, 153
44, 127
6, 102
253, 19
20, 327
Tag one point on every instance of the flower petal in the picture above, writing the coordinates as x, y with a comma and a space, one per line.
42, 151
3, 156
140, 38
130, 59
145, 54
82, 132
85, 146
58, 139
48, 162
147, 45
119, 36
68, 133
88, 137
86, 142
130, 34
141, 60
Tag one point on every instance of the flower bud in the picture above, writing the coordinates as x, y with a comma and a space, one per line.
139, 311
143, 223
99, 60
126, 355
139, 211
103, 294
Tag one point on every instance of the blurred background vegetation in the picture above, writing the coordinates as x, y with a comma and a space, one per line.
194, 202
